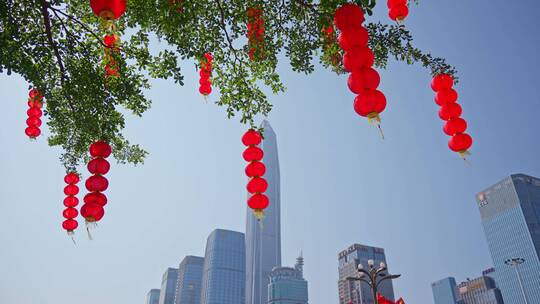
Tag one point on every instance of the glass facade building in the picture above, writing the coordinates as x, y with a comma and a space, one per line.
356, 292
510, 213
263, 245
168, 286
152, 297
481, 290
188, 286
287, 285
224, 276
444, 291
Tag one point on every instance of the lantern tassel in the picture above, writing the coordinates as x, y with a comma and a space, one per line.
71, 234
380, 130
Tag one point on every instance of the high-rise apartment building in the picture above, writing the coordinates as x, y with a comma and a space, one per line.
263, 242
510, 213
168, 286
152, 297
481, 290
357, 292
287, 285
224, 276
444, 291
188, 286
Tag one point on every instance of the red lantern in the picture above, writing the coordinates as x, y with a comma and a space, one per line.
357, 58
449, 111
348, 16
258, 201
34, 113
356, 36
100, 149
71, 201
446, 96
363, 79
251, 138
255, 169
97, 183
99, 166
253, 153
442, 82
454, 126
92, 212
108, 9
398, 13
460, 143
95, 198
370, 104
257, 185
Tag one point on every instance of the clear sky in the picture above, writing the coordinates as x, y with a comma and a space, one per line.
341, 184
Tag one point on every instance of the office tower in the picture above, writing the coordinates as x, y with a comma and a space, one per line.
287, 285
168, 286
510, 213
357, 292
188, 286
152, 297
481, 290
444, 291
263, 242
224, 275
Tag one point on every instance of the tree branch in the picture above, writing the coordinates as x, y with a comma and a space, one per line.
47, 21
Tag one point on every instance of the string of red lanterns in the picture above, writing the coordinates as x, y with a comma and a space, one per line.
255, 33
206, 74
95, 200
109, 11
255, 170
450, 111
358, 59
33, 122
398, 10
71, 202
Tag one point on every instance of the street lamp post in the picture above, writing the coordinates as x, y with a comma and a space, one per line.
514, 263
373, 277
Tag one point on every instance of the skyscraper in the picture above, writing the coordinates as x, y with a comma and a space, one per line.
224, 275
188, 286
263, 242
481, 290
510, 213
168, 286
444, 291
357, 292
287, 285
152, 297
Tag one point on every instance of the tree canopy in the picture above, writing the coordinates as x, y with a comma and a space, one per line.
57, 46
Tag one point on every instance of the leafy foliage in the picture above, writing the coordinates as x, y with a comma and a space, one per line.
56, 45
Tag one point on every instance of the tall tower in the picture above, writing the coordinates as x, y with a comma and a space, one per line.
357, 292
224, 276
263, 242
188, 286
444, 291
510, 213
168, 286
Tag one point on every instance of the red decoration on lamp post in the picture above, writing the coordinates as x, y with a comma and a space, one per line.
450, 111
206, 75
71, 201
358, 59
95, 200
33, 122
255, 170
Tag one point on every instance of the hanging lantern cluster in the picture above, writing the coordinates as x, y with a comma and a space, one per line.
398, 10
450, 111
92, 210
205, 81
33, 122
255, 170
71, 201
109, 11
255, 33
358, 59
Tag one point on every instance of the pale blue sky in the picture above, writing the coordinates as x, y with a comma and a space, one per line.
341, 184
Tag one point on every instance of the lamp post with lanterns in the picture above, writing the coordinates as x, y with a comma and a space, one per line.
373, 276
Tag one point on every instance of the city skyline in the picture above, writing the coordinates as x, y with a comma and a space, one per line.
341, 183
